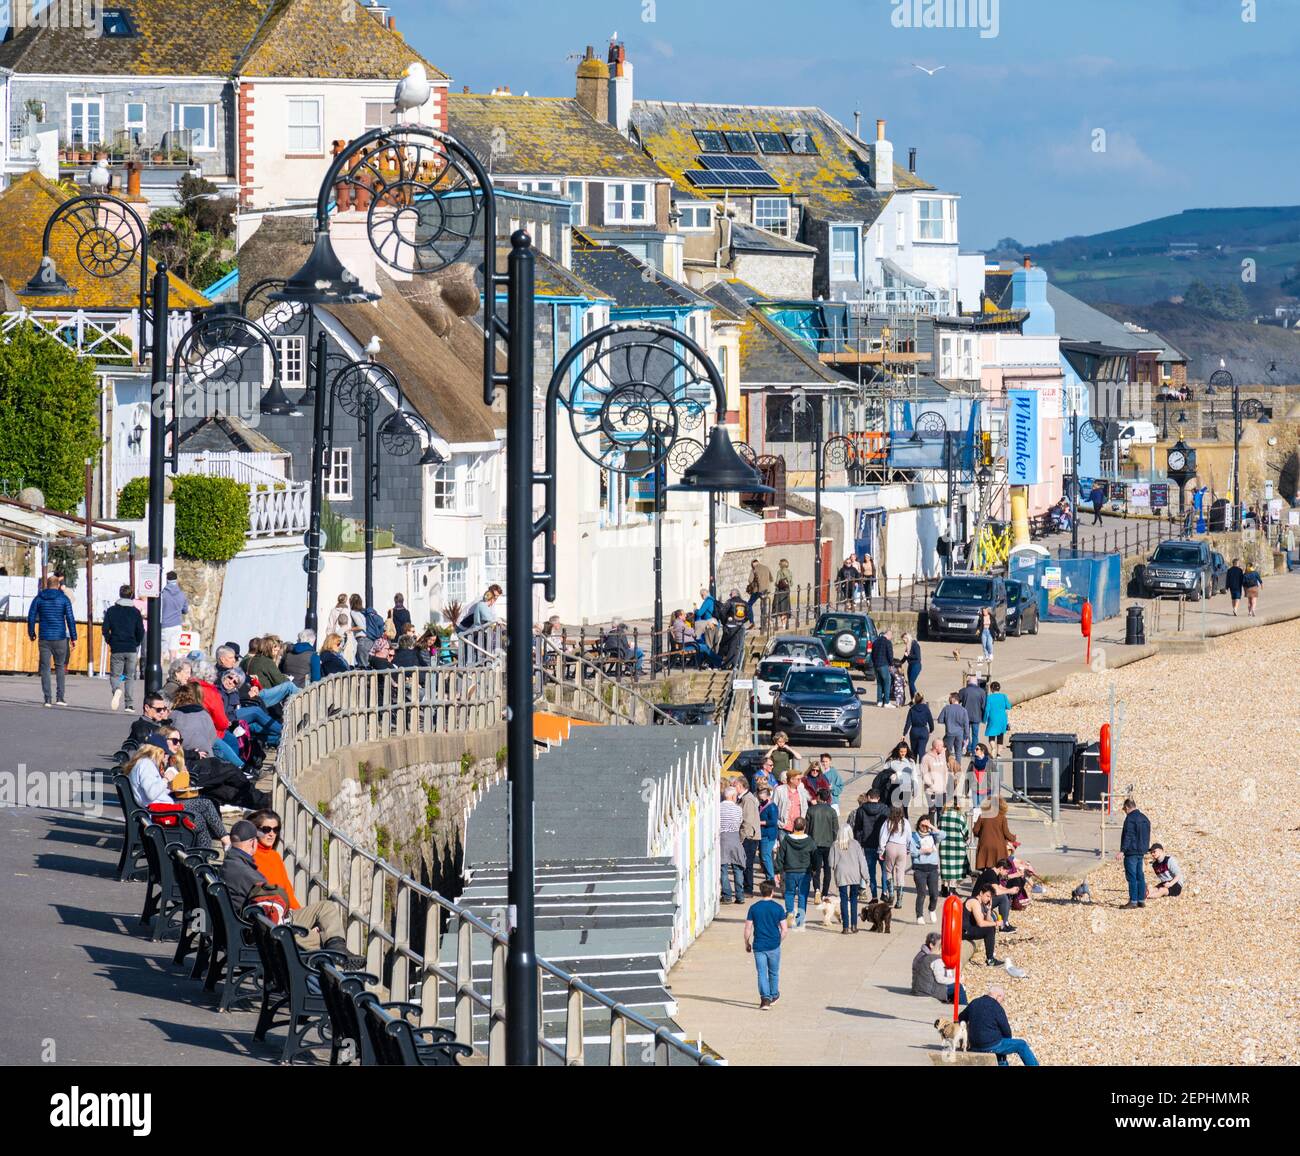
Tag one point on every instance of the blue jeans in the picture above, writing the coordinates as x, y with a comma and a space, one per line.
875, 864
913, 673
884, 685
961, 998
227, 753
796, 884
766, 850
849, 905
272, 695
261, 724
768, 964
727, 896
974, 736
1137, 884
986, 641
1012, 1047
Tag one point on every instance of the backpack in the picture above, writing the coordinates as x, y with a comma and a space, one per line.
374, 624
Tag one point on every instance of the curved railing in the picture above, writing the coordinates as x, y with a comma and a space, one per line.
395, 921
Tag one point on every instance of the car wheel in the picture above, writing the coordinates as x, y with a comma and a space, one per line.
854, 739
1035, 628
1016, 632
845, 645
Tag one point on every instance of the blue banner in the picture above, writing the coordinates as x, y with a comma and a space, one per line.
1022, 437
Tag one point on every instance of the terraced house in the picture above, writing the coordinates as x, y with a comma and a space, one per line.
248, 93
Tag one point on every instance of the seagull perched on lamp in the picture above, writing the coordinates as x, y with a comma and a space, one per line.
413, 90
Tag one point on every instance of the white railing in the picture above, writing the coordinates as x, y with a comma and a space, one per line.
276, 513
683, 825
249, 468
107, 337
383, 907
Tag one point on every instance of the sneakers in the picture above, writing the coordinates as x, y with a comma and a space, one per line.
58, 702
934, 917
116, 702
764, 1004
920, 919
995, 962
47, 704
1007, 927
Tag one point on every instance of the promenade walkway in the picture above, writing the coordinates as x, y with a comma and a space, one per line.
845, 998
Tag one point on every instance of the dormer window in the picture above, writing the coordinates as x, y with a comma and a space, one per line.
118, 24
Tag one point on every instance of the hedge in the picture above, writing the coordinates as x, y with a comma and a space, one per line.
133, 499
211, 517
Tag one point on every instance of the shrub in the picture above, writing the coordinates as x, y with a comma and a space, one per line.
133, 500
211, 517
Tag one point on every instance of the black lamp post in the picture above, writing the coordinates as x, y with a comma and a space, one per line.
1242, 411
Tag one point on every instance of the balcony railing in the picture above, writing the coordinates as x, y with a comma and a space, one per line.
278, 513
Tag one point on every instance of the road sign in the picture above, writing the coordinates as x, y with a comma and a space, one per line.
313, 539
310, 565
148, 580
743, 684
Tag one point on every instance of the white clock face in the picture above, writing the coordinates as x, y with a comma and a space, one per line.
1177, 460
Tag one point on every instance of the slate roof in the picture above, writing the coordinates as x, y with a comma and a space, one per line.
221, 433
768, 354
553, 279
833, 183
327, 38
630, 282
25, 206
288, 38
545, 135
176, 37
750, 239
1076, 321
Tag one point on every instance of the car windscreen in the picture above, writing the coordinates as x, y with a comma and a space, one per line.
839, 623
1178, 555
1013, 592
966, 589
797, 648
773, 671
818, 682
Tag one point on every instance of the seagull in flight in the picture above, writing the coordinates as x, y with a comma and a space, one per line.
929, 71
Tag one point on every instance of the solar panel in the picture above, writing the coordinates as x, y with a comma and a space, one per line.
729, 179
748, 165
719, 163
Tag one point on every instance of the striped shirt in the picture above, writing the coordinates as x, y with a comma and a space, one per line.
729, 817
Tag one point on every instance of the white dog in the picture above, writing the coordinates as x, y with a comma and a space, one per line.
954, 1035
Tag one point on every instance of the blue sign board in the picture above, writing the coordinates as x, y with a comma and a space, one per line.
1022, 439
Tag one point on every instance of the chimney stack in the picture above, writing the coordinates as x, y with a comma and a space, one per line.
593, 85
857, 125
620, 87
911, 160
1029, 261
882, 159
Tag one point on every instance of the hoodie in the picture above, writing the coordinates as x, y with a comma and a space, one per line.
123, 627
867, 821
301, 663
173, 605
51, 609
795, 853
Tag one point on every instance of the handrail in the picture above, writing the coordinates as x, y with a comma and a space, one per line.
558, 658
323, 862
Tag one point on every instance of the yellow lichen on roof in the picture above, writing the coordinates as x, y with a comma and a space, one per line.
25, 207
328, 38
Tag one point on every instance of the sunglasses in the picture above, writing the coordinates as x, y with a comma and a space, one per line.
173, 741
269, 830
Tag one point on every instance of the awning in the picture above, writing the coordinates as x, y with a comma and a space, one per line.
896, 275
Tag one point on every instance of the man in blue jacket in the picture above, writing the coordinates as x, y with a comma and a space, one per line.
51, 609
1134, 842
988, 1030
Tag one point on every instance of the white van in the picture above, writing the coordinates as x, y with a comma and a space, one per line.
1141, 433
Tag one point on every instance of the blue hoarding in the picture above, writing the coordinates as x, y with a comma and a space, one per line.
1022, 437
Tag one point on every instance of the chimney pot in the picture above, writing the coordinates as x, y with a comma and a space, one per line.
911, 160
857, 125
880, 130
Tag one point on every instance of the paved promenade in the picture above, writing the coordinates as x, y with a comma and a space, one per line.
845, 998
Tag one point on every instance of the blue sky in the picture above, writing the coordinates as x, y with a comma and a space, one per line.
1198, 106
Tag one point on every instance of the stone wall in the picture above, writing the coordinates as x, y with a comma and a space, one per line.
202, 582
406, 799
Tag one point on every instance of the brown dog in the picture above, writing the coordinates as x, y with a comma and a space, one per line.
880, 914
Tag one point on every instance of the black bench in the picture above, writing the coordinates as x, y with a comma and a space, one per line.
396, 1045
131, 863
233, 956
193, 918
162, 901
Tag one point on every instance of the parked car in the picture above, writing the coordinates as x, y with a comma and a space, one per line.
1180, 569
803, 646
955, 606
819, 702
847, 638
771, 674
1022, 609
1137, 433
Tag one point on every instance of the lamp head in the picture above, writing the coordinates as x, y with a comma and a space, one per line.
719, 469
47, 281
324, 280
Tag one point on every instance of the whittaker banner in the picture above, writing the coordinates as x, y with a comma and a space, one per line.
1022, 437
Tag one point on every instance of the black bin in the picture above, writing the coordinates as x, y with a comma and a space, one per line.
1034, 756
1135, 628
1218, 516
691, 714
1089, 783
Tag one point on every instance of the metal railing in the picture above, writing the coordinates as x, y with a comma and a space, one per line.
275, 513
573, 679
398, 923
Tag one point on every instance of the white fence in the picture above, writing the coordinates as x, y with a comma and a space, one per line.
279, 513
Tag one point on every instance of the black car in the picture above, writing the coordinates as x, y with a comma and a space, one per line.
848, 639
1184, 570
819, 702
1022, 609
955, 606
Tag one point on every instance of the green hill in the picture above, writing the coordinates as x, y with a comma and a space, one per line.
1157, 260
